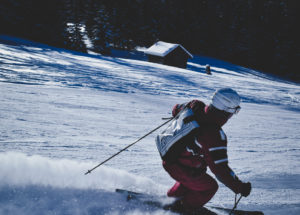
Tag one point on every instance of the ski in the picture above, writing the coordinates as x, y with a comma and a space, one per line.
238, 212
155, 201
144, 198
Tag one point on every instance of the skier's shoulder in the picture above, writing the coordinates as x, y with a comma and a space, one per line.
196, 105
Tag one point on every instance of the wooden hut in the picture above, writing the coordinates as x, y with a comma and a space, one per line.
168, 54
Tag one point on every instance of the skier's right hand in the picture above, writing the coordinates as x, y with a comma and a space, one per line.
246, 189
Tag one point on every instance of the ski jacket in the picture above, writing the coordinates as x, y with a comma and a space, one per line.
207, 148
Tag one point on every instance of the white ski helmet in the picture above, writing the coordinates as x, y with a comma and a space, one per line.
226, 99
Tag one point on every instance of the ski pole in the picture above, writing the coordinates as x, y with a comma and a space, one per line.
89, 171
235, 203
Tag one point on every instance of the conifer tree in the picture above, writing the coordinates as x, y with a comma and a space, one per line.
73, 25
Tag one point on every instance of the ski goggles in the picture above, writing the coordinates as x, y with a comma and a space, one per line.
234, 110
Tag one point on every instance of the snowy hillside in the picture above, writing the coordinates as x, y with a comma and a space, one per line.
64, 112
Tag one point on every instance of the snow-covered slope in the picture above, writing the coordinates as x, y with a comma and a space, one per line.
63, 112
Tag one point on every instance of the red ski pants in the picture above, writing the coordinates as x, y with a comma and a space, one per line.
194, 189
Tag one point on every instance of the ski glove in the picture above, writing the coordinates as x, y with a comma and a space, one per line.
246, 189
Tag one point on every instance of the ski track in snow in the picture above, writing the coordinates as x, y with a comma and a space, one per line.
63, 112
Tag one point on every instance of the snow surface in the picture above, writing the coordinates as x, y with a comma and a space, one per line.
63, 112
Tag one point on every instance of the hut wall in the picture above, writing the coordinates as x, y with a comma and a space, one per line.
177, 58
155, 59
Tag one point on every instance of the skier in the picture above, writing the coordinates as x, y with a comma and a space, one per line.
206, 147
207, 69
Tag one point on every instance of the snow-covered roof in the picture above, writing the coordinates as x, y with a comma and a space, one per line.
162, 49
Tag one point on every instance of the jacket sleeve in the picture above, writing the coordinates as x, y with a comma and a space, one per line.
215, 155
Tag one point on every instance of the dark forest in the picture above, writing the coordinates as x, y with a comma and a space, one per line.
258, 34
